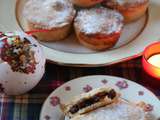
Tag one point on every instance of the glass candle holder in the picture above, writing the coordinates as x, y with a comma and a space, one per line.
151, 60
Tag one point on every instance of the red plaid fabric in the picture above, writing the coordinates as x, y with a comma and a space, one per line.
28, 106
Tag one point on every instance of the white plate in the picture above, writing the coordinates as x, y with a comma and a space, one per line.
129, 90
135, 37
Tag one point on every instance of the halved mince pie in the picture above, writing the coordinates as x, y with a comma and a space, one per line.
92, 100
121, 110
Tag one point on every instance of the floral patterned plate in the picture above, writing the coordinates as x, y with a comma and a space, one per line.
129, 90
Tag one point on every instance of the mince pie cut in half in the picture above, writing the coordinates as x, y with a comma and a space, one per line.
120, 110
90, 101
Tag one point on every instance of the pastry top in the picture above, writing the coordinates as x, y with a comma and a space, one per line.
99, 21
48, 14
117, 111
125, 3
20, 51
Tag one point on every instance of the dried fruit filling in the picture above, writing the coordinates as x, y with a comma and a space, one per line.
92, 100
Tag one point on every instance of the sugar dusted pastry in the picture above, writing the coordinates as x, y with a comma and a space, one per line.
55, 17
117, 111
86, 3
87, 102
131, 9
22, 63
98, 28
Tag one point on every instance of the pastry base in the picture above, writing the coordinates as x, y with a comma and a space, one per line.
52, 35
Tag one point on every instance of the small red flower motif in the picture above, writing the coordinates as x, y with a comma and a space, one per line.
55, 101
68, 88
104, 81
122, 84
47, 117
148, 108
141, 93
87, 88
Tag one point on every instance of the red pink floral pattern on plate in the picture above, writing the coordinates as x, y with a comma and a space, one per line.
47, 117
122, 84
148, 108
104, 81
67, 88
140, 93
87, 88
54, 101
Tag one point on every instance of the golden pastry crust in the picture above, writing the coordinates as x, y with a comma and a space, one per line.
51, 35
56, 16
86, 3
130, 9
98, 42
98, 28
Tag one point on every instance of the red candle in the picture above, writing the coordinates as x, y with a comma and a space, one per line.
151, 60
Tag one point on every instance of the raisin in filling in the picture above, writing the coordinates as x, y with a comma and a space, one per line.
88, 102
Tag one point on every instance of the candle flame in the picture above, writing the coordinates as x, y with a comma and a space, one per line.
155, 60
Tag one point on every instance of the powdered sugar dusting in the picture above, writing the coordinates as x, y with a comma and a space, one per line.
49, 13
121, 111
99, 20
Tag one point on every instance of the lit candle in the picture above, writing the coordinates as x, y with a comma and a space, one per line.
151, 60
155, 60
